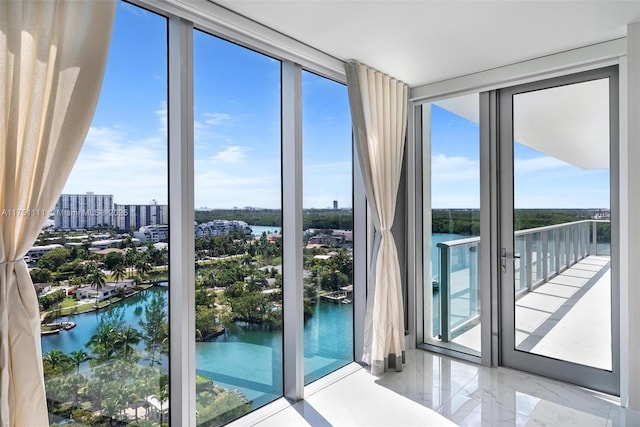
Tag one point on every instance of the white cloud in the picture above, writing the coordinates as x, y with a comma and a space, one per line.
217, 189
232, 154
447, 170
113, 160
216, 118
537, 164
162, 117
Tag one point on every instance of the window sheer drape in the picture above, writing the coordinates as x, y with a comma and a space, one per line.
52, 60
379, 116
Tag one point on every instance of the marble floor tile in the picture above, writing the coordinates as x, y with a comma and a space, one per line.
434, 390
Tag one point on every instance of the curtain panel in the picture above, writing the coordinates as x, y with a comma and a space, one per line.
52, 60
379, 116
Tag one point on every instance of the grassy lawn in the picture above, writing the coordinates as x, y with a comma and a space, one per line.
70, 305
68, 302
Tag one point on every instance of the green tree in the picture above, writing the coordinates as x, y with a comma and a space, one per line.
127, 340
130, 258
118, 272
235, 290
163, 394
96, 279
54, 258
154, 332
55, 362
76, 382
40, 275
104, 342
143, 267
78, 357
334, 280
112, 259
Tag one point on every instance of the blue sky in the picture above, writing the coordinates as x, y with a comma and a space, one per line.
237, 134
237, 125
540, 181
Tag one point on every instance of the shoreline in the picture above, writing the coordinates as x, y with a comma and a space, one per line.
93, 308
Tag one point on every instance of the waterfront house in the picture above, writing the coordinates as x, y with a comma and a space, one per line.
109, 290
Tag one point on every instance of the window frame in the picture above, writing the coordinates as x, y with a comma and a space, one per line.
215, 20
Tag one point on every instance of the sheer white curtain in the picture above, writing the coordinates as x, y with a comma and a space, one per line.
379, 115
52, 59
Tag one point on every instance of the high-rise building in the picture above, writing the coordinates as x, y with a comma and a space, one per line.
83, 211
128, 217
335, 205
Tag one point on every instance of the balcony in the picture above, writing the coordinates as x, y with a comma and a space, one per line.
562, 282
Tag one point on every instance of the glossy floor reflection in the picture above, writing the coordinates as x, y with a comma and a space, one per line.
472, 395
451, 390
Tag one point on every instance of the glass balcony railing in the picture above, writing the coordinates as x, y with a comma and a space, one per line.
540, 254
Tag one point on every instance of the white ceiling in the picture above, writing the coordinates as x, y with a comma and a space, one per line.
424, 41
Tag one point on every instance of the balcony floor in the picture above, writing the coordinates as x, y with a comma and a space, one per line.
568, 317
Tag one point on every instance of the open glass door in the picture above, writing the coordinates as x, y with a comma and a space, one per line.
558, 215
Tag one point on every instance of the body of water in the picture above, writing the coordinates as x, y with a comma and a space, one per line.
247, 358
439, 238
76, 339
257, 230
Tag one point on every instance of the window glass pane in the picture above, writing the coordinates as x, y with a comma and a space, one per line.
238, 240
562, 206
328, 226
451, 149
100, 266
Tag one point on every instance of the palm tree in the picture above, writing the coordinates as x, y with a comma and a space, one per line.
104, 342
96, 279
163, 394
119, 272
130, 259
127, 340
143, 267
57, 359
76, 382
77, 358
110, 407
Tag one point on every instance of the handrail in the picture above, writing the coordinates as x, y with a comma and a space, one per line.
541, 258
458, 242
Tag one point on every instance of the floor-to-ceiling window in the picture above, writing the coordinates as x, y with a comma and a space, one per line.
100, 265
237, 150
328, 226
451, 223
112, 224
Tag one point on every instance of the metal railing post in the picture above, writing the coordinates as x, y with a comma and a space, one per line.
545, 254
473, 279
556, 240
445, 298
528, 262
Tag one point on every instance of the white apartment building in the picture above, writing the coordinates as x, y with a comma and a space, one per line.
221, 227
128, 217
152, 233
83, 211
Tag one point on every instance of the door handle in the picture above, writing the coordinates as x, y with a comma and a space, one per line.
504, 257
